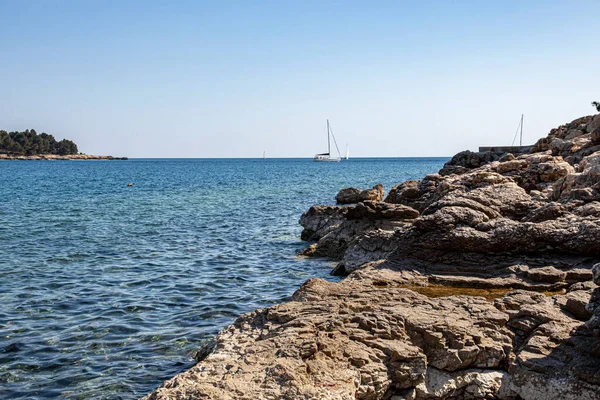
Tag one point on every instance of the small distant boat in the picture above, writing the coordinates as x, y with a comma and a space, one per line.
264, 155
347, 152
512, 147
327, 156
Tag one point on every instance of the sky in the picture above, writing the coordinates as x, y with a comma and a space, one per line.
236, 78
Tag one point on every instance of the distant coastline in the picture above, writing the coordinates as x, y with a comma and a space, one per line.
56, 157
28, 145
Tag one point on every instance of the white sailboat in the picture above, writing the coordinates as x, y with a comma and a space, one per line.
347, 152
327, 156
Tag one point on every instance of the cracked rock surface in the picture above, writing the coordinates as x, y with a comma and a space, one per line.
479, 282
355, 340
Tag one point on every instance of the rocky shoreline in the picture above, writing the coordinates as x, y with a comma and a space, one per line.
55, 157
478, 282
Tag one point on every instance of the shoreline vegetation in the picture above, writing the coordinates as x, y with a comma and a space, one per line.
477, 282
29, 145
55, 157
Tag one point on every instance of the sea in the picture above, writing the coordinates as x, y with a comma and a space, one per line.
107, 290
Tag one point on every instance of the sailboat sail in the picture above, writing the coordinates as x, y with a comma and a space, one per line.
519, 129
327, 156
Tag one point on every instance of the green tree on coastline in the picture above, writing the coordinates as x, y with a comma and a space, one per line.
29, 143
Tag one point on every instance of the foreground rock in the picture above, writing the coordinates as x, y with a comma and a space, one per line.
354, 195
594, 305
354, 234
360, 339
479, 282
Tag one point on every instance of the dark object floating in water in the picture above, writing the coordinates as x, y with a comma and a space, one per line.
130, 184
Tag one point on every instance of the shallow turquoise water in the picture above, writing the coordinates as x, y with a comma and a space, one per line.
106, 290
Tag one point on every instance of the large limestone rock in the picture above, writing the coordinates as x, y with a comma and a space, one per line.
594, 304
363, 339
354, 195
500, 214
376, 210
318, 221
366, 228
333, 342
429, 309
467, 160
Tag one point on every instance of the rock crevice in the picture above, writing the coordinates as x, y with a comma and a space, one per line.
479, 282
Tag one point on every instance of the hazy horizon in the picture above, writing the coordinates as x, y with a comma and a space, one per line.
199, 80
280, 158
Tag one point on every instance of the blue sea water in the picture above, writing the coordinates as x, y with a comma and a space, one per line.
107, 290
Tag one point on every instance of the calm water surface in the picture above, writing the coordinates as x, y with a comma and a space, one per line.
106, 290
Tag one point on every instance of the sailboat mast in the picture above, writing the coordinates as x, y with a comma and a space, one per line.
328, 144
521, 138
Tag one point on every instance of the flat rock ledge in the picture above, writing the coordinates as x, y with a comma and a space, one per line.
478, 282
363, 339
55, 157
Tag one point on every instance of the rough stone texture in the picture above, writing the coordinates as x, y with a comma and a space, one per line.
354, 195
333, 342
416, 194
594, 124
594, 305
357, 340
318, 221
380, 211
595, 136
339, 228
487, 224
368, 247
336, 242
497, 207
466, 160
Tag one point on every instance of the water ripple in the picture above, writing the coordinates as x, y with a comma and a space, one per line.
108, 290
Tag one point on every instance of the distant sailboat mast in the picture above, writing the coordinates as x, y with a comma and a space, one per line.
327, 156
519, 128
264, 155
521, 138
328, 141
347, 152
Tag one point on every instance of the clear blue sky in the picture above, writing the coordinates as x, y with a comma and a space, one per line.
231, 79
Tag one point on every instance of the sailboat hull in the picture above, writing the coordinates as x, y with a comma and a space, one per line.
327, 159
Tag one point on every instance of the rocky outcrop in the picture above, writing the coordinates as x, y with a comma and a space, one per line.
499, 214
363, 339
354, 195
593, 307
318, 221
365, 228
479, 282
376, 210
370, 246
467, 160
